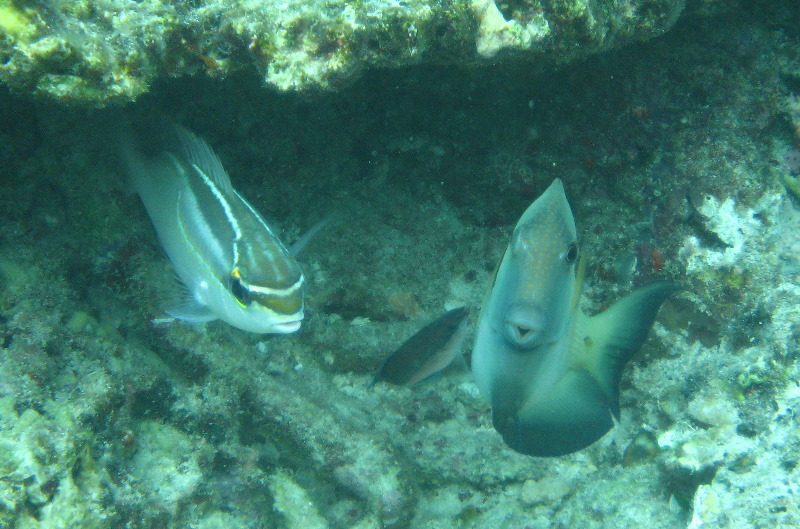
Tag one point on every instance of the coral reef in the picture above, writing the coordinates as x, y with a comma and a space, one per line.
671, 154
111, 51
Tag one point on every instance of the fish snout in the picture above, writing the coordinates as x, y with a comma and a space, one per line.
524, 325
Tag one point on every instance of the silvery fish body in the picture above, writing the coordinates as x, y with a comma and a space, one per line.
550, 372
232, 264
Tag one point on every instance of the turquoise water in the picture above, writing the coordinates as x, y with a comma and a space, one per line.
673, 154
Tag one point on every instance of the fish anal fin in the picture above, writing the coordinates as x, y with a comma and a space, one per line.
612, 337
570, 417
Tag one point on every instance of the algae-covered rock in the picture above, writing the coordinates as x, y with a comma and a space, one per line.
48, 476
168, 465
102, 52
294, 504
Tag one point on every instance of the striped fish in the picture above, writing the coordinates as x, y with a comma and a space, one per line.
233, 266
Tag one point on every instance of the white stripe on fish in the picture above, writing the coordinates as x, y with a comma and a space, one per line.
233, 266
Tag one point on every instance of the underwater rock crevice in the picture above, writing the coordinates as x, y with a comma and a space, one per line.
111, 53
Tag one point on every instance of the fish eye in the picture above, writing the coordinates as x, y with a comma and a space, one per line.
572, 253
239, 289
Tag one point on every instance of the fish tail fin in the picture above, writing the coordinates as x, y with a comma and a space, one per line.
133, 152
141, 145
615, 335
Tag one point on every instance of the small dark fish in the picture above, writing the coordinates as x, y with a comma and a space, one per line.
427, 352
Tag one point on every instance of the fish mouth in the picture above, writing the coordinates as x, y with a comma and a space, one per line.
286, 327
524, 324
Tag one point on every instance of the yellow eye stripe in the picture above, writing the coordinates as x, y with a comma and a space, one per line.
241, 249
232, 264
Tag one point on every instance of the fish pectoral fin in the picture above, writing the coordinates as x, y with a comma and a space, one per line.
572, 415
192, 311
178, 301
612, 337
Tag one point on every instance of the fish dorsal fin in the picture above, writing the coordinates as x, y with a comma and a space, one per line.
198, 154
612, 337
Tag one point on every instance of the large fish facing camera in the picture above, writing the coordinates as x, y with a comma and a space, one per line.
233, 266
550, 372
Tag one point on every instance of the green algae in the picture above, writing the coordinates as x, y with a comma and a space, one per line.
78, 53
792, 184
14, 23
